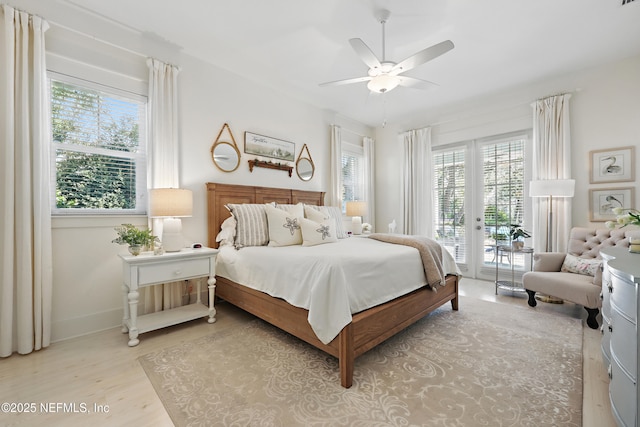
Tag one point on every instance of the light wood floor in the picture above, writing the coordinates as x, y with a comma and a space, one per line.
101, 383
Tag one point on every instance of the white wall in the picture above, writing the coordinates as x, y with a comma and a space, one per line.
605, 112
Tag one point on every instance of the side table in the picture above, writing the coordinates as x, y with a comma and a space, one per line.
511, 285
148, 269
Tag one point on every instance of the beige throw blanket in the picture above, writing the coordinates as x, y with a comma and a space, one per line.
430, 253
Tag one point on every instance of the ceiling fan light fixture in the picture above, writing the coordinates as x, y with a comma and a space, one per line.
383, 83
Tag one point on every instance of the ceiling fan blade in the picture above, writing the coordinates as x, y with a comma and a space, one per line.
346, 81
365, 53
416, 83
423, 56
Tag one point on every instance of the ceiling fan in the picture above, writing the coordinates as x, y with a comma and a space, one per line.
384, 75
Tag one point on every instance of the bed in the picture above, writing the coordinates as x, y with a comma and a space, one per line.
366, 329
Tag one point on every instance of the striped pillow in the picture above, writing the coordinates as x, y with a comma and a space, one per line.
252, 228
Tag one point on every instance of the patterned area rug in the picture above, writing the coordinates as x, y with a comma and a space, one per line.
488, 364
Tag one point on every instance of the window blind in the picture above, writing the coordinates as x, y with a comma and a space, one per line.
99, 148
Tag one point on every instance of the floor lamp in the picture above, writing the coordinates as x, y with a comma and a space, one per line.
551, 188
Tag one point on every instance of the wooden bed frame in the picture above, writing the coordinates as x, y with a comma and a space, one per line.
367, 329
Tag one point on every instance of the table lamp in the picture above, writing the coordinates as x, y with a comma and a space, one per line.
356, 210
171, 204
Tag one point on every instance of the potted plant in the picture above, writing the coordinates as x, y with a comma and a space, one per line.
518, 234
129, 234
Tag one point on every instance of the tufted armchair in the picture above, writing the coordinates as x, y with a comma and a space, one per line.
577, 275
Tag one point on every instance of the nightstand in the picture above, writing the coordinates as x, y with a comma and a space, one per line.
148, 269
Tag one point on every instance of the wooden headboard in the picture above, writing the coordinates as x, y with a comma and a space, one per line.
218, 195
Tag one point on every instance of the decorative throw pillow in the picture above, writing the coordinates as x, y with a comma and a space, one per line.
227, 232
317, 233
284, 227
332, 212
251, 224
315, 213
574, 264
295, 210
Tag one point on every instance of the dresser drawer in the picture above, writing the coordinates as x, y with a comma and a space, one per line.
623, 343
172, 271
606, 341
606, 293
623, 395
624, 296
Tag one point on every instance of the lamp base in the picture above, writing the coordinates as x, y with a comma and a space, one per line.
356, 225
172, 240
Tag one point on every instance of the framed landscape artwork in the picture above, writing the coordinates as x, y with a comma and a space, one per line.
266, 146
603, 201
612, 165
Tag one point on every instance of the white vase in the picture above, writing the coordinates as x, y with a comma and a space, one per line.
135, 249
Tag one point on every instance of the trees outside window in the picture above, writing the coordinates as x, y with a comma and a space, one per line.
99, 156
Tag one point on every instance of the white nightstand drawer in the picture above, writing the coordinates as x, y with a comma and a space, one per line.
623, 343
624, 297
172, 271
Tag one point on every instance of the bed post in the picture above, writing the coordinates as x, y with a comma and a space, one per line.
454, 301
346, 356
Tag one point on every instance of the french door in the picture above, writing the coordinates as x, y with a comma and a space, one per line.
479, 192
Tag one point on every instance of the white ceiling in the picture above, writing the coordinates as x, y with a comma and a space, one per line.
294, 45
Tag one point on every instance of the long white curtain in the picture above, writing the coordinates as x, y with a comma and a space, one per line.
368, 145
417, 182
25, 211
551, 160
335, 192
164, 161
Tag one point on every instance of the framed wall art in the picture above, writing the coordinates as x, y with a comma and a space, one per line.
603, 201
266, 146
612, 165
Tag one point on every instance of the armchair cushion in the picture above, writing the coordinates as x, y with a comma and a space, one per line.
548, 261
574, 264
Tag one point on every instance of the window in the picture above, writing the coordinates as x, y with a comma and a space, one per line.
352, 174
98, 155
448, 201
503, 171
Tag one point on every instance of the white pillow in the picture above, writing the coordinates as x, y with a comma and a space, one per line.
317, 233
284, 227
327, 212
315, 214
574, 264
295, 210
227, 232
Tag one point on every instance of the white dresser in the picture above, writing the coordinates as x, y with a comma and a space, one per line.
620, 279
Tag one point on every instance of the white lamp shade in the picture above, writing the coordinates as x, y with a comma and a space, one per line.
552, 187
170, 203
356, 208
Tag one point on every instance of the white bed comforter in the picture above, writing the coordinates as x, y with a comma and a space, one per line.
331, 281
